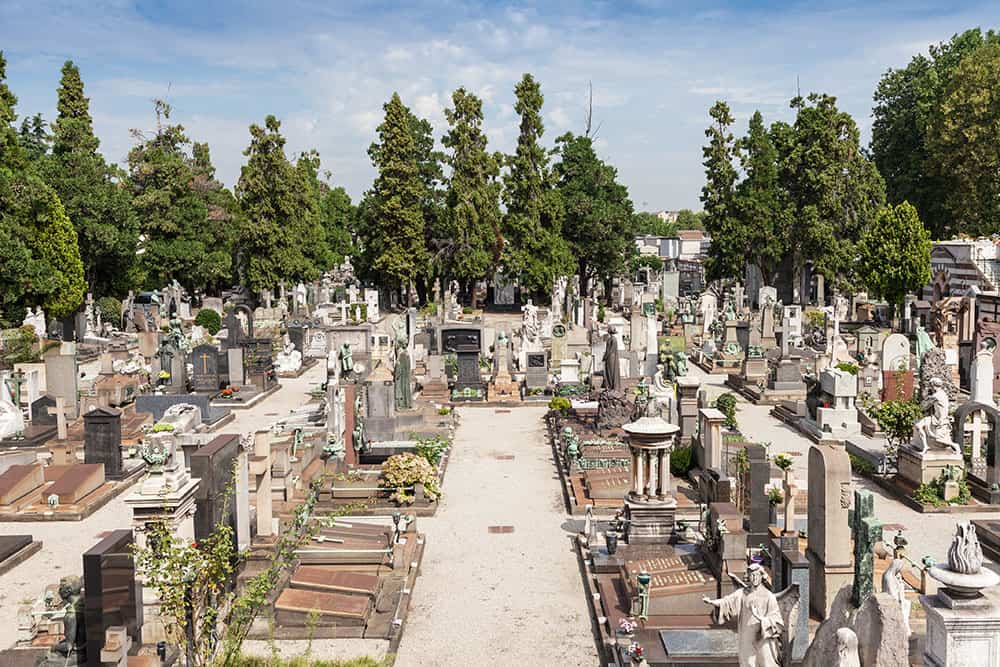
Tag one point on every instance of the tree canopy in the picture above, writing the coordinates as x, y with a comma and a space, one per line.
535, 249
895, 254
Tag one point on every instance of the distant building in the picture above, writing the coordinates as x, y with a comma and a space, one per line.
685, 252
959, 265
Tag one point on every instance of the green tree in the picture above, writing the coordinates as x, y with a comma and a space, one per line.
965, 142
281, 237
471, 246
180, 242
222, 215
394, 234
834, 190
34, 138
725, 254
688, 219
432, 198
908, 107
650, 224
761, 211
535, 251
598, 211
895, 254
96, 195
39, 255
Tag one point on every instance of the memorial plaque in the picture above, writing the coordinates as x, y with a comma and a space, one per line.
205, 361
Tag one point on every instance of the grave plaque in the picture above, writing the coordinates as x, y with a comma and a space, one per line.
102, 440
205, 360
537, 374
214, 465
110, 592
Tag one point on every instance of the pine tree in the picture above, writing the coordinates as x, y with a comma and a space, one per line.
834, 189
222, 217
598, 224
535, 251
95, 194
179, 241
281, 237
39, 256
725, 256
471, 246
762, 212
394, 230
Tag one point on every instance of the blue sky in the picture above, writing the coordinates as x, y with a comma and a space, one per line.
326, 68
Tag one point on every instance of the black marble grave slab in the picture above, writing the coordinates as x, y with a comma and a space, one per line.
111, 594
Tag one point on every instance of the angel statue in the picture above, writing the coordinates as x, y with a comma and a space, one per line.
761, 618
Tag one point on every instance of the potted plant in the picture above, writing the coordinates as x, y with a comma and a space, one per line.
774, 498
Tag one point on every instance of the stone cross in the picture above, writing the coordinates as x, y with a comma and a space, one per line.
60, 414
866, 530
790, 490
978, 430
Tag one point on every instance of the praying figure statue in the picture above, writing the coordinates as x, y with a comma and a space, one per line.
758, 618
612, 370
934, 429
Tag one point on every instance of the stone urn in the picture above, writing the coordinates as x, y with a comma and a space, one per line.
965, 576
611, 540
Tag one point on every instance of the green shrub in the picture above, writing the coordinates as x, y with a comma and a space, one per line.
444, 410
160, 427
467, 310
815, 319
726, 404
432, 448
861, 466
600, 313
932, 493
681, 461
848, 367
561, 404
774, 496
18, 346
896, 418
406, 470
209, 319
110, 309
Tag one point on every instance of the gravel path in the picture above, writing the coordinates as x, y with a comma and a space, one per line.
499, 599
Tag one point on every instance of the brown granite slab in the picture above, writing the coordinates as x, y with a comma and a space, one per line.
338, 605
76, 483
324, 578
20, 480
611, 487
11, 544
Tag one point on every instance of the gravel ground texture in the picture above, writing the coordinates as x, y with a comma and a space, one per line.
501, 599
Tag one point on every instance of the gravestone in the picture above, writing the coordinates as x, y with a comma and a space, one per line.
214, 464
62, 379
537, 373
102, 440
829, 550
110, 591
759, 476
205, 362
237, 374
866, 530
895, 353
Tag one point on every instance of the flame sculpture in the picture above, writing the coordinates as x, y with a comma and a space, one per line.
965, 555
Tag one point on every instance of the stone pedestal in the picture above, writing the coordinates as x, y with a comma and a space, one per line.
961, 633
922, 468
649, 522
687, 407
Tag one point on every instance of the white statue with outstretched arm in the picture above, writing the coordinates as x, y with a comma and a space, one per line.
759, 620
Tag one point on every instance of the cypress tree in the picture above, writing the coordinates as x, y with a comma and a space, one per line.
535, 251
394, 233
96, 195
471, 247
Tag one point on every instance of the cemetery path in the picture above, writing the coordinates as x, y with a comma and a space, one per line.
928, 534
500, 598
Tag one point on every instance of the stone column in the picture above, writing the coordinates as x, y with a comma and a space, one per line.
648, 465
639, 470
662, 474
